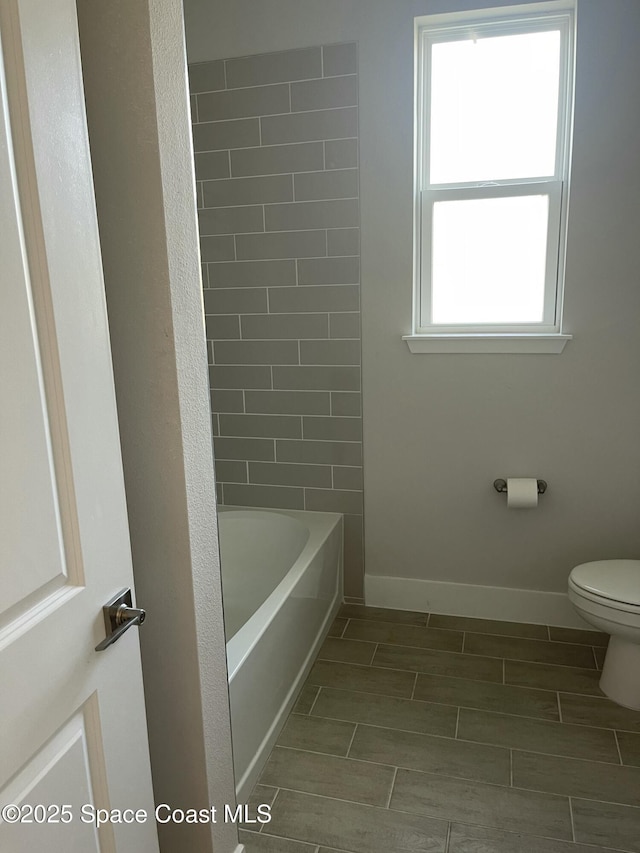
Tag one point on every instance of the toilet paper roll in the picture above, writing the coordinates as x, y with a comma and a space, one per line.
522, 493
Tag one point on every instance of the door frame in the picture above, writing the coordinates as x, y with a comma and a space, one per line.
134, 63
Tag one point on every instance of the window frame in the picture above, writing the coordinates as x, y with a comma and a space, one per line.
429, 30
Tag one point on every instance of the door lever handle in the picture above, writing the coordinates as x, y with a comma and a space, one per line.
119, 615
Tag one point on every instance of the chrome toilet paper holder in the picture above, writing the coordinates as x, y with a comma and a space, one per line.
501, 486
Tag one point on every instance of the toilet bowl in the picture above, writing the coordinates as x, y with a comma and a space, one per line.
606, 594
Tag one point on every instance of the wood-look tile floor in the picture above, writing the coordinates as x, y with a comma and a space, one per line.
419, 732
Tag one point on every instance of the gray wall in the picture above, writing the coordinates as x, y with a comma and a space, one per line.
277, 179
439, 429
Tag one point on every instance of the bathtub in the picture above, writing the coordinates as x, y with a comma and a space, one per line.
282, 585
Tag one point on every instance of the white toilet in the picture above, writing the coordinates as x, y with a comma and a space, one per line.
606, 593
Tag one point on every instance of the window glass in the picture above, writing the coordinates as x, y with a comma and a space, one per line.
494, 107
489, 260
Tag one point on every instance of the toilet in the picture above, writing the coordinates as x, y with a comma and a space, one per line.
606, 594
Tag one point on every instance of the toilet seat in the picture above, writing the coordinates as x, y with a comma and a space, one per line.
611, 583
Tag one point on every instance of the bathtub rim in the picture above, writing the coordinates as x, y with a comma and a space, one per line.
240, 646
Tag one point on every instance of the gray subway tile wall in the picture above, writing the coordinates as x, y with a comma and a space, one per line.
276, 157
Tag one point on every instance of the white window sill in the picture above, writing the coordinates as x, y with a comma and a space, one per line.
487, 343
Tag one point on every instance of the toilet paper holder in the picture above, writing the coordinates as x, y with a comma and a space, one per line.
501, 486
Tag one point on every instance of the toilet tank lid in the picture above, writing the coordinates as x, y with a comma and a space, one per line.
617, 580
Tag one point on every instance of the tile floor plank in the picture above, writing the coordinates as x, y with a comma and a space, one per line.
549, 677
306, 698
541, 736
348, 651
337, 627
592, 780
368, 679
592, 711
488, 626
607, 824
439, 663
577, 635
537, 651
432, 754
404, 617
262, 843
328, 776
354, 828
629, 748
317, 734
387, 711
476, 802
261, 794
478, 839
486, 696
404, 635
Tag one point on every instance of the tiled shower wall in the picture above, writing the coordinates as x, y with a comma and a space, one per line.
276, 142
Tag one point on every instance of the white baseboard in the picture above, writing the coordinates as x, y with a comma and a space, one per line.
482, 602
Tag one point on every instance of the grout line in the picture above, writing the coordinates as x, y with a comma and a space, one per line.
294, 258
277, 144
464, 637
275, 797
455, 734
393, 782
313, 704
573, 828
548, 632
313, 79
504, 670
224, 72
615, 734
559, 706
448, 838
415, 684
230, 172
346, 625
511, 768
595, 659
355, 729
283, 115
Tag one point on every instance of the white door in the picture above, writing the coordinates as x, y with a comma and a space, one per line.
72, 720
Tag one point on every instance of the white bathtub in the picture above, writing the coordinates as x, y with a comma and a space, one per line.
282, 585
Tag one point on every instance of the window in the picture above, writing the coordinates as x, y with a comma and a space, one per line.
493, 128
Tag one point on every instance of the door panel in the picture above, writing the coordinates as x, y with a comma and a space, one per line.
61, 768
72, 720
32, 565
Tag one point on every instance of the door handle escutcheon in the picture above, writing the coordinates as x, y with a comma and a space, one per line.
119, 615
